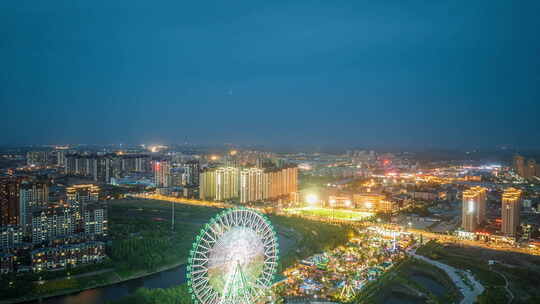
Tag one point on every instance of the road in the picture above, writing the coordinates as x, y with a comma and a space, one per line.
426, 234
469, 295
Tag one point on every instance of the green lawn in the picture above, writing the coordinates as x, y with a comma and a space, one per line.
339, 214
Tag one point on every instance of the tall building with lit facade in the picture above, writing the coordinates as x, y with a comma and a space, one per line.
192, 171
33, 195
511, 204
95, 221
10, 236
272, 184
474, 208
280, 182
162, 173
142, 163
519, 165
526, 168
248, 184
61, 157
53, 222
531, 169
103, 168
207, 184
9, 201
227, 182
219, 184
252, 185
37, 158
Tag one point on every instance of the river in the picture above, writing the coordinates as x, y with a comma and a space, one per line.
164, 279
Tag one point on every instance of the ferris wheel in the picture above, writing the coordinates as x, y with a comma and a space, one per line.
234, 258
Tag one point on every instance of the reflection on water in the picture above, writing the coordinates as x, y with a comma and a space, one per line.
165, 279
399, 298
430, 284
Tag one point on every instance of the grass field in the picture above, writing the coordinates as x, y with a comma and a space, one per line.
338, 214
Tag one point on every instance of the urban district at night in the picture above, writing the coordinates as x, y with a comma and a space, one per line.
269, 152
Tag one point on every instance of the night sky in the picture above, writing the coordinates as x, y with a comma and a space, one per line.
364, 73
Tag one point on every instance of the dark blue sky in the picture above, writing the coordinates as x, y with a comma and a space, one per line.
374, 73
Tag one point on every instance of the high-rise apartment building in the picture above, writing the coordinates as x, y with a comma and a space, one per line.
531, 168
95, 220
10, 236
192, 171
248, 184
219, 183
281, 182
227, 180
526, 168
33, 195
474, 208
53, 222
162, 174
207, 186
252, 185
142, 163
519, 165
102, 168
61, 157
511, 204
9, 201
37, 158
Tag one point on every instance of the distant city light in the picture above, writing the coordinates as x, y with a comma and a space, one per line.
304, 166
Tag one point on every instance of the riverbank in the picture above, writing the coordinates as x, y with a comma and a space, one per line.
142, 239
118, 280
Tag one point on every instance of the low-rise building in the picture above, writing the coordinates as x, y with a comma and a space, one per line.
374, 202
73, 255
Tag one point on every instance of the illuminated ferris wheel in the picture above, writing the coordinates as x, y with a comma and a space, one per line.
234, 258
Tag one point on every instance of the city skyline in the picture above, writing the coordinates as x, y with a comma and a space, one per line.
242, 152
440, 74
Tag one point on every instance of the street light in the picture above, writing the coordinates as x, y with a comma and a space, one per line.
312, 199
